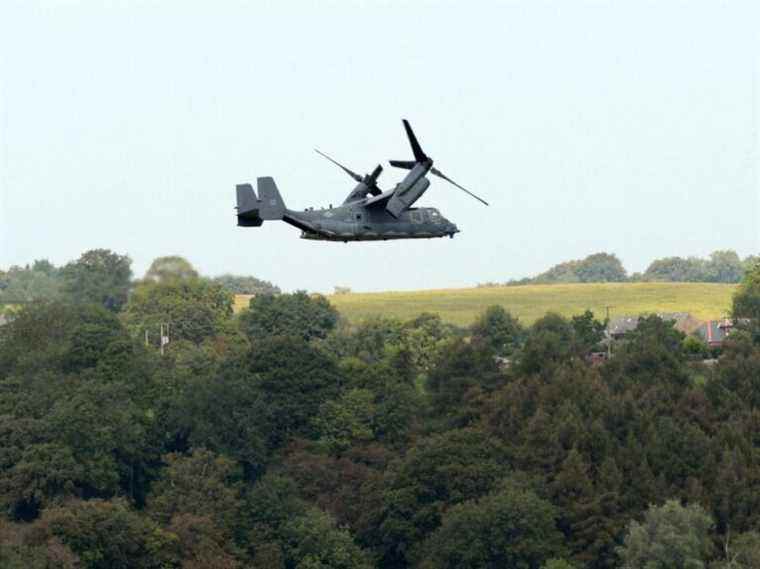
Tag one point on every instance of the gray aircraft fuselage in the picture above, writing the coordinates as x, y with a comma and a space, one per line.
354, 222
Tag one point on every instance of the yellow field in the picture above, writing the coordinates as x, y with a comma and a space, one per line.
529, 302
241, 302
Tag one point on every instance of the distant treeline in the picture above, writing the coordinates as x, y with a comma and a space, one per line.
43, 280
720, 267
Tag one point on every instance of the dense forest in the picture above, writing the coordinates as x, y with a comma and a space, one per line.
720, 267
143, 425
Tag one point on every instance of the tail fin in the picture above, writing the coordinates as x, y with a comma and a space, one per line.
272, 206
253, 211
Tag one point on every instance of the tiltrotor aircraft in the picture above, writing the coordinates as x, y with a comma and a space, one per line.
367, 214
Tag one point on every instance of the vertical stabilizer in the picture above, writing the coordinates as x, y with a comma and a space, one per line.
254, 210
271, 205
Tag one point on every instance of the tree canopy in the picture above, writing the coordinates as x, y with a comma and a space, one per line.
287, 438
99, 276
171, 268
299, 315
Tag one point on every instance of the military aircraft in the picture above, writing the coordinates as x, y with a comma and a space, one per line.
367, 214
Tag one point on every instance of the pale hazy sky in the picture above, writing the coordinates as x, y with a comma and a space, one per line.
628, 127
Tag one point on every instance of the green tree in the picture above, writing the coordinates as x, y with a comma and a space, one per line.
294, 380
425, 337
22, 547
671, 536
201, 484
498, 330
62, 337
298, 315
601, 268
74, 408
588, 331
561, 273
370, 340
267, 506
749, 262
396, 404
652, 356
313, 541
724, 267
740, 552
282, 530
108, 535
171, 268
557, 564
512, 527
193, 309
346, 486
746, 301
436, 473
347, 421
261, 400
41, 281
737, 381
464, 369
237, 284
551, 341
721, 267
201, 544
99, 276
584, 514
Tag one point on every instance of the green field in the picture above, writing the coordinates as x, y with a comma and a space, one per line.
529, 302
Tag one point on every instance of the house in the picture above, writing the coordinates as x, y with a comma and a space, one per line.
714, 332
682, 321
619, 327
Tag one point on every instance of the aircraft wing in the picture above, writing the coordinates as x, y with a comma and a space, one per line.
381, 199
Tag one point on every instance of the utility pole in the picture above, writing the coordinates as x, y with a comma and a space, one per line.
755, 153
609, 334
164, 336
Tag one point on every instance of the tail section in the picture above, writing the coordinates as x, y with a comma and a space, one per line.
252, 210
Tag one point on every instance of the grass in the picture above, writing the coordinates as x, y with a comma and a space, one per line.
529, 302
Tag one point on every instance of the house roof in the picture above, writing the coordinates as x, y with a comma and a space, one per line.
683, 321
715, 331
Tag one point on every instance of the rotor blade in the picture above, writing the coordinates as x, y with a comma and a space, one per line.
375, 174
354, 175
405, 164
438, 173
419, 155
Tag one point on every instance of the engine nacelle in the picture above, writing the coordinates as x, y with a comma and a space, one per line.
402, 199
